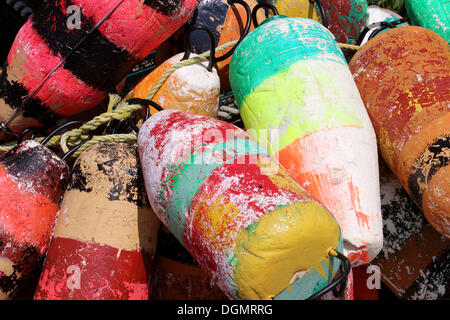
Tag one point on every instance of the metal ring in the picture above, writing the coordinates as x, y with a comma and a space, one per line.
246, 29
264, 5
378, 27
70, 152
54, 132
321, 11
24, 132
145, 102
188, 50
341, 280
387, 25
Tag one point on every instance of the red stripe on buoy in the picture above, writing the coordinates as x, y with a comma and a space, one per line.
60, 88
150, 27
92, 271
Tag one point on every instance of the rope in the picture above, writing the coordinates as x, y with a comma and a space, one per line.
118, 110
348, 46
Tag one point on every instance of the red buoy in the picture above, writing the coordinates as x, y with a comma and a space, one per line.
32, 181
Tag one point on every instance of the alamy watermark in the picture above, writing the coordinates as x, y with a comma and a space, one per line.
74, 19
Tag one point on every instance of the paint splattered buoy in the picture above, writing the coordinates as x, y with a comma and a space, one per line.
250, 226
194, 88
403, 76
297, 96
105, 234
32, 180
69, 55
431, 14
346, 18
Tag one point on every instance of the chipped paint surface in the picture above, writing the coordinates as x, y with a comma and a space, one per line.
32, 180
403, 77
127, 36
305, 93
346, 18
192, 88
431, 14
105, 235
230, 196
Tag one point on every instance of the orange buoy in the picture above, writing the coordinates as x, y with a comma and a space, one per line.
403, 76
32, 182
194, 88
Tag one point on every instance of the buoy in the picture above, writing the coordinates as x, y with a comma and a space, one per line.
248, 224
431, 14
228, 20
69, 55
32, 180
105, 234
296, 8
296, 96
194, 88
377, 15
346, 18
403, 76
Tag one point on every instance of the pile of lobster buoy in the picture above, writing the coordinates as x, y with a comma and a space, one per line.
278, 198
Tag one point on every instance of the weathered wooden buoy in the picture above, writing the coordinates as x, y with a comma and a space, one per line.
250, 226
346, 18
297, 96
105, 234
32, 180
403, 76
68, 56
194, 88
376, 15
431, 14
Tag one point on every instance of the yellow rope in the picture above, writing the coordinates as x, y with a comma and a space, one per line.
349, 46
122, 110
129, 138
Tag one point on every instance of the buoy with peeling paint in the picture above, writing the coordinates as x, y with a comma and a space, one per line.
377, 15
194, 88
431, 14
297, 97
69, 55
346, 18
32, 182
249, 225
403, 76
105, 234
